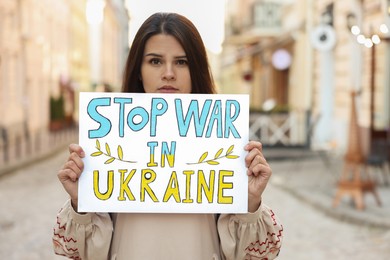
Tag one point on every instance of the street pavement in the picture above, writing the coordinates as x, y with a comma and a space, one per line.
301, 191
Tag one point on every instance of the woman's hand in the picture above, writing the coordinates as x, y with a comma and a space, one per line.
259, 173
71, 171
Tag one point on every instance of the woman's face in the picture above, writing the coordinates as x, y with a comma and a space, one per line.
164, 67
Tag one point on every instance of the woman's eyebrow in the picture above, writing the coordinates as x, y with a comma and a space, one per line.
153, 54
159, 55
181, 57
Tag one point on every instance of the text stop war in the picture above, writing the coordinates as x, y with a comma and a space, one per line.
215, 118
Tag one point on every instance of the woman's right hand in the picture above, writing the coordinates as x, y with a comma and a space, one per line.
71, 171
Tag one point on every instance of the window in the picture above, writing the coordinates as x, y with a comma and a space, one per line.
267, 15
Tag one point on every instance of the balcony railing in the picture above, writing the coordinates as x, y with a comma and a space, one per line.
280, 129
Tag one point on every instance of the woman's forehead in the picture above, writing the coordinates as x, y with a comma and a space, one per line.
164, 43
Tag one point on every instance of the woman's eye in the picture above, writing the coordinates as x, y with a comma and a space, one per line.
155, 61
182, 62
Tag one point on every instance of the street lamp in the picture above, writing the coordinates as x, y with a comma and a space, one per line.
370, 42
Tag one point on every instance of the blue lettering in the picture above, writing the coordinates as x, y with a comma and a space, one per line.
193, 112
216, 115
159, 107
105, 124
122, 102
141, 112
229, 119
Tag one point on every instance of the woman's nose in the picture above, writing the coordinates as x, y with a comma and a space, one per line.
169, 73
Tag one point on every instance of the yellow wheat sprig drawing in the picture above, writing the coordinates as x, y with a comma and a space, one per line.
218, 155
108, 153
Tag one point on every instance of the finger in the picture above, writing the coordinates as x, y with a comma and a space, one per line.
77, 160
71, 165
252, 145
252, 155
255, 165
66, 175
75, 148
260, 170
259, 164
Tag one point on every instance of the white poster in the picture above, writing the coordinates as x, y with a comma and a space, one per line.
163, 153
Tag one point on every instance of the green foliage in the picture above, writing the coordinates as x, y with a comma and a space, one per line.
57, 110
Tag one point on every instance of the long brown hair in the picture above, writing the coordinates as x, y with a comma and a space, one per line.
189, 38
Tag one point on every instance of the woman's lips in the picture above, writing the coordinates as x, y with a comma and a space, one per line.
167, 89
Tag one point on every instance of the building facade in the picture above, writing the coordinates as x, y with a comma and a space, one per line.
263, 52
45, 62
358, 62
34, 52
303, 56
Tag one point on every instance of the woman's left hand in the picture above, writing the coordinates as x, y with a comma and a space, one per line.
258, 172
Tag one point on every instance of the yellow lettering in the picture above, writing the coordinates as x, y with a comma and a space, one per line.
148, 176
172, 189
124, 185
188, 186
168, 154
202, 185
110, 185
152, 146
151, 162
224, 185
170, 158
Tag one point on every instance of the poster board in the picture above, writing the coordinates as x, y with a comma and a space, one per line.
181, 153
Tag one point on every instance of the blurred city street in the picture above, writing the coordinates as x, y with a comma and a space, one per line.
316, 72
300, 192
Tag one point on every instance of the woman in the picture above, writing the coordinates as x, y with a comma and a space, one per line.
168, 56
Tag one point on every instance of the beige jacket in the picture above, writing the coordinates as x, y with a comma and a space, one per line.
167, 236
